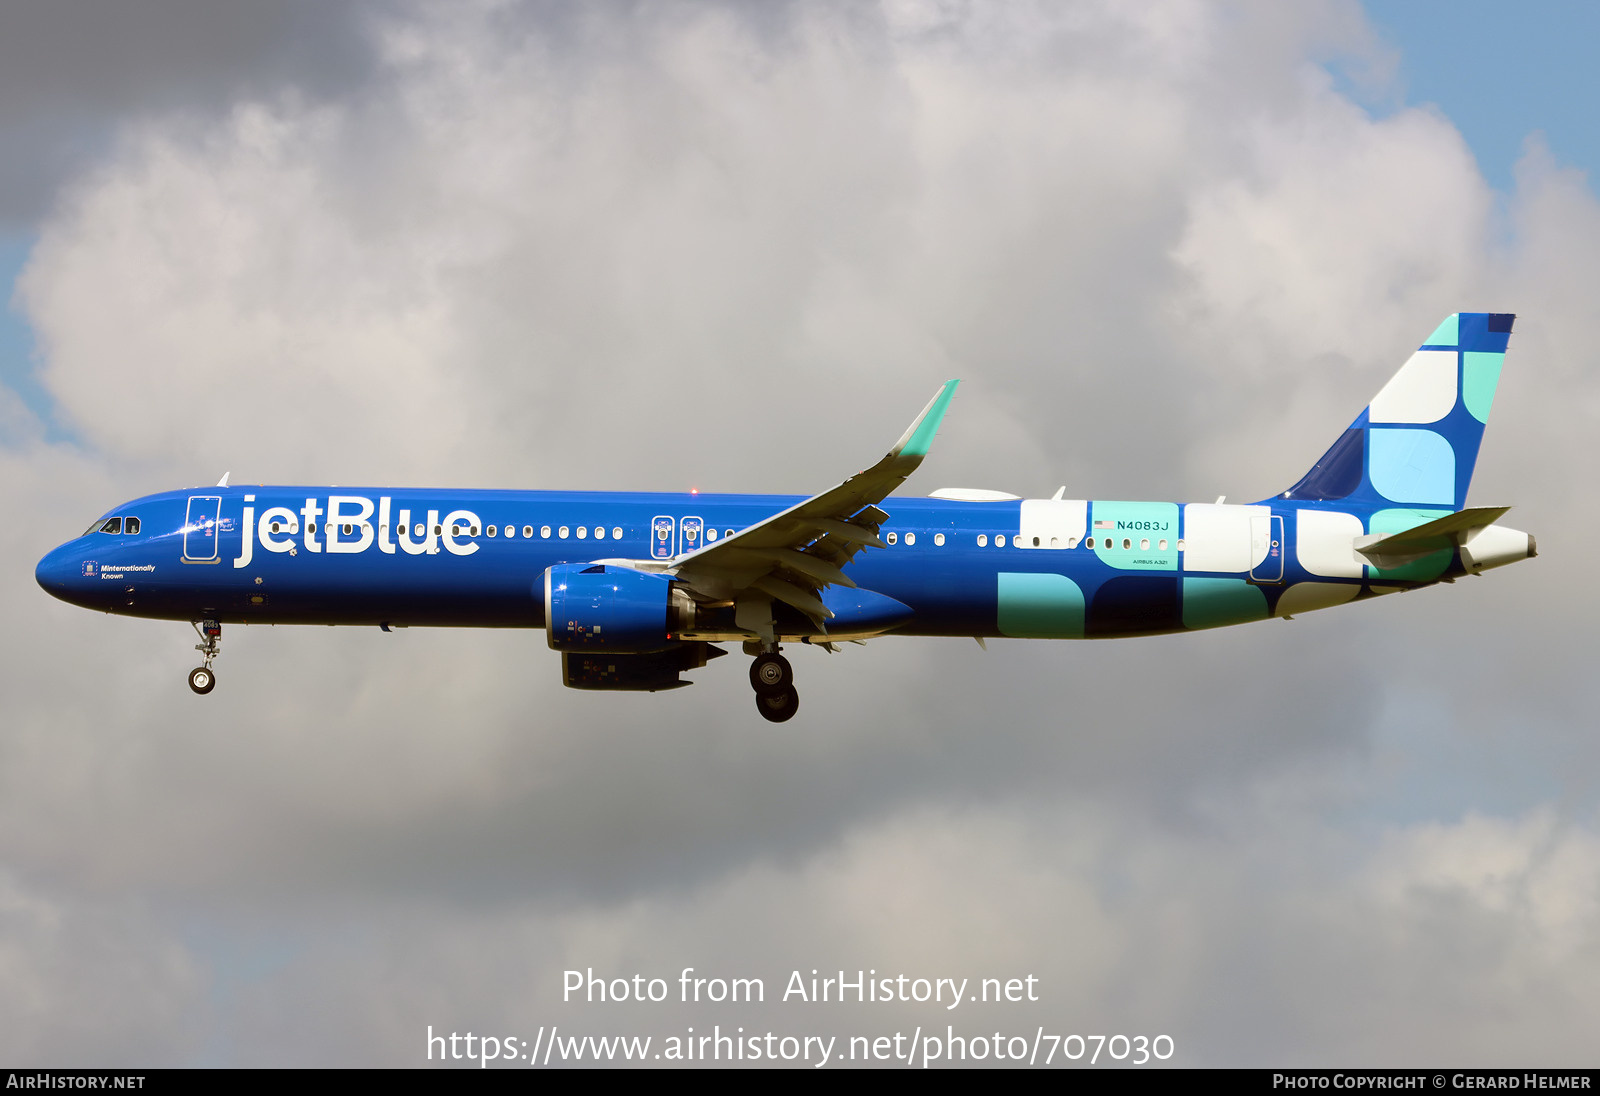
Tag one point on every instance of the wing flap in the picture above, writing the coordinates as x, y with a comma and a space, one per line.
813, 568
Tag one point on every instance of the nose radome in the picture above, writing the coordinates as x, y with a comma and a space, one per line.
58, 570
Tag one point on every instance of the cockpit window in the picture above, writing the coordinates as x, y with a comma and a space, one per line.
112, 525
94, 527
131, 527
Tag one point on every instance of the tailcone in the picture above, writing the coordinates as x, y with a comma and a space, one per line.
1496, 546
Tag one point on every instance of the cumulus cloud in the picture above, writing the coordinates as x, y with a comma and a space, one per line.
661, 247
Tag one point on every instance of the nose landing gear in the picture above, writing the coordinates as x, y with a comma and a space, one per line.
201, 679
773, 680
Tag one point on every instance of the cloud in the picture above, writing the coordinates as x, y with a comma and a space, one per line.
72, 73
650, 248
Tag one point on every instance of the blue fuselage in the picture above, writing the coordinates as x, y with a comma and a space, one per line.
299, 555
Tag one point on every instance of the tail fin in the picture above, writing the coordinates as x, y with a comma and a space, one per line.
1418, 439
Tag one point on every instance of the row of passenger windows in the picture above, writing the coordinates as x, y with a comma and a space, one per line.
121, 526
1106, 543
130, 527
564, 532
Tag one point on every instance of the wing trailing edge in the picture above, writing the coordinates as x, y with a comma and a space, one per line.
797, 554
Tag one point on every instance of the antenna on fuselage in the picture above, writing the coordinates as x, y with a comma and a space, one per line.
223, 482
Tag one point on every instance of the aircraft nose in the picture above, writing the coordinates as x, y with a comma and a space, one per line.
60, 573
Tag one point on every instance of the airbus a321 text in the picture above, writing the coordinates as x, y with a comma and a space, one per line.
635, 589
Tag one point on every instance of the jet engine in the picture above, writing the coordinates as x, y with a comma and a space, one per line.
597, 606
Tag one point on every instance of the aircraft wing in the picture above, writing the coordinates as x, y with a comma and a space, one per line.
793, 555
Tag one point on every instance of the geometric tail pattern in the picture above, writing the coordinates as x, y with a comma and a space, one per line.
1417, 441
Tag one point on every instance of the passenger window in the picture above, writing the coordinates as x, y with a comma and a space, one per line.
1126, 544
417, 532
1000, 541
599, 532
562, 532
544, 531
1072, 542
983, 540
711, 535
472, 530
1180, 544
1144, 544
911, 538
494, 530
729, 533
583, 532
132, 527
938, 539
438, 530
348, 529
112, 525
616, 532
892, 538
1163, 544
1036, 542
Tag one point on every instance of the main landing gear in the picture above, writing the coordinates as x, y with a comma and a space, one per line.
201, 679
773, 680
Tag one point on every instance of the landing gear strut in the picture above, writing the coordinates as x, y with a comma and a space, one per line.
201, 679
773, 680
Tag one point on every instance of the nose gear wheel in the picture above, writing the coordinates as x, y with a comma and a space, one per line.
201, 679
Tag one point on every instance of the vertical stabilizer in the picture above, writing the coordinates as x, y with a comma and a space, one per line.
1417, 441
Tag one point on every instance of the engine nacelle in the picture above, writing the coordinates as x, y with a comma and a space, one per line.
589, 606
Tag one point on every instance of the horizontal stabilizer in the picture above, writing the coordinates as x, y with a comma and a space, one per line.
1441, 534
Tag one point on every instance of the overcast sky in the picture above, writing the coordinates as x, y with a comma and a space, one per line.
1171, 249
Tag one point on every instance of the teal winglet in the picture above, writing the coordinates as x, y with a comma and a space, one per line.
919, 437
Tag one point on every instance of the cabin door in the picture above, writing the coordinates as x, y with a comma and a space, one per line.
200, 529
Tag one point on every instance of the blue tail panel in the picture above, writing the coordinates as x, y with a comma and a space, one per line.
1417, 441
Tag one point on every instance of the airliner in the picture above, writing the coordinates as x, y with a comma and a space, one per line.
634, 590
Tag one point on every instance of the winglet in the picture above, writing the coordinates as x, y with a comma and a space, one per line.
223, 482
919, 435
